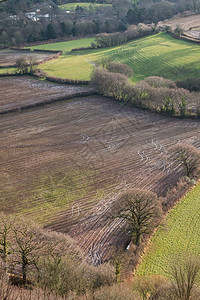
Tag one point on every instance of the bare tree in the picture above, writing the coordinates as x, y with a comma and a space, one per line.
188, 156
26, 248
31, 63
21, 65
141, 210
184, 280
6, 225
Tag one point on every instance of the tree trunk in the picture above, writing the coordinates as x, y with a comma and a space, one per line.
24, 265
138, 239
24, 275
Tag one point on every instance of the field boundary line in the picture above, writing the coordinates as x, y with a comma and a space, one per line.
51, 101
149, 240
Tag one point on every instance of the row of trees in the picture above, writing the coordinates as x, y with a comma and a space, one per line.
182, 283
154, 93
24, 30
155, 11
133, 32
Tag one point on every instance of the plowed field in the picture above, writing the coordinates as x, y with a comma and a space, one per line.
9, 57
65, 165
17, 92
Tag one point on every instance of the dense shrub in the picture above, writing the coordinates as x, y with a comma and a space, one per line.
155, 82
116, 67
49, 260
115, 292
175, 193
62, 275
191, 84
162, 98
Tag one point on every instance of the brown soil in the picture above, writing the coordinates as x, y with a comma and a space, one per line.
119, 147
9, 58
18, 92
184, 22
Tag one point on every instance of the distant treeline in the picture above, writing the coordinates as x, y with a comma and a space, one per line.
133, 32
16, 27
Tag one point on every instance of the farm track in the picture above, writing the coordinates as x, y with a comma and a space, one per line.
65, 165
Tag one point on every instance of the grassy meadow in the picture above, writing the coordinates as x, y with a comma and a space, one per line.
7, 70
157, 55
179, 235
65, 46
73, 6
73, 67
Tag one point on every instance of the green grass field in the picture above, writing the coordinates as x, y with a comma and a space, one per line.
157, 55
178, 236
65, 46
7, 70
73, 6
73, 67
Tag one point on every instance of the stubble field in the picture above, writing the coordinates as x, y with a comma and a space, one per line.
66, 164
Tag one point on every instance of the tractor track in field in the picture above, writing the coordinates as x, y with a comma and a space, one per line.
88, 150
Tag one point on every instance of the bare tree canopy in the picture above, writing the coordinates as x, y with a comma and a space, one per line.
189, 157
184, 278
6, 226
27, 247
116, 67
141, 210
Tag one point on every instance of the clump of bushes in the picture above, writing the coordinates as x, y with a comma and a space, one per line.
154, 93
191, 84
156, 82
116, 67
115, 292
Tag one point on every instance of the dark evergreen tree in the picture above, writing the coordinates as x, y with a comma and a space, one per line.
51, 33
